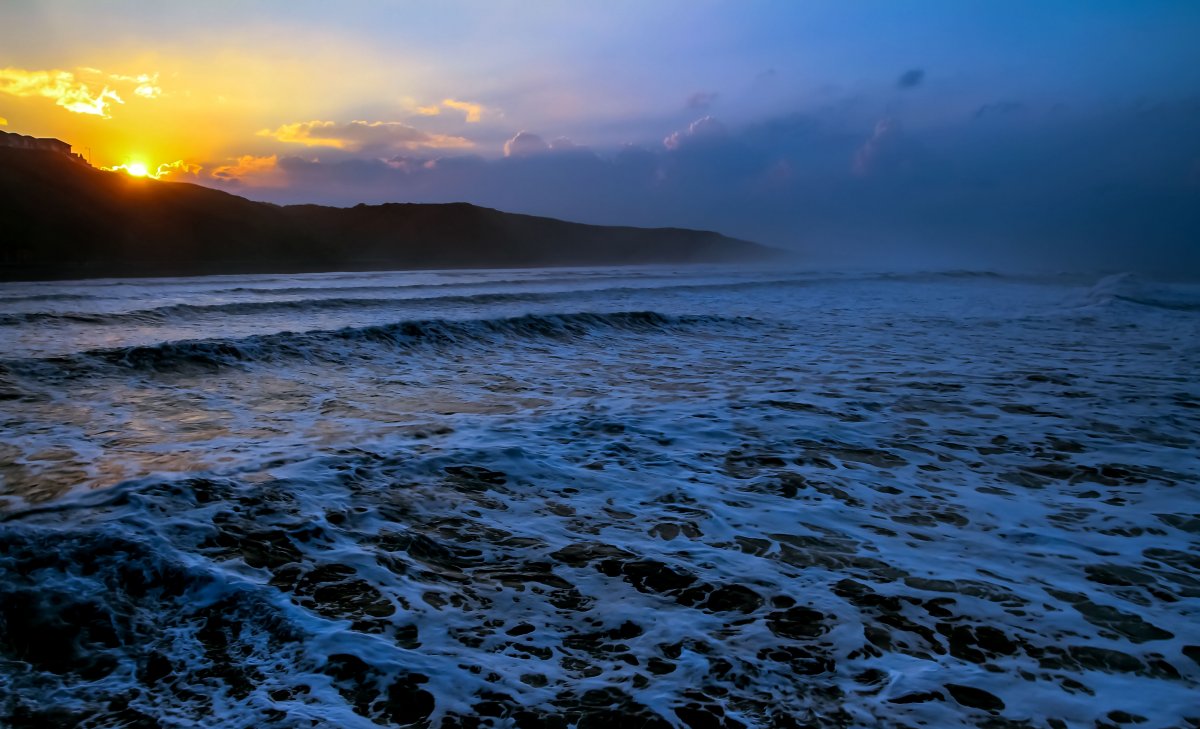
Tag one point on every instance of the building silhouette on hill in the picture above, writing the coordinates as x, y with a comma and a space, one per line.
45, 144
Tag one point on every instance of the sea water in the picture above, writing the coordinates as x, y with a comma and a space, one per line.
644, 497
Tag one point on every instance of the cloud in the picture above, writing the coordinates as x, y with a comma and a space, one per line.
178, 167
704, 128
911, 78
147, 83
473, 111
255, 171
356, 136
878, 150
701, 100
999, 108
62, 86
564, 144
1111, 188
525, 144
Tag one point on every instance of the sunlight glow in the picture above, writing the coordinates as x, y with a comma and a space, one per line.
141, 169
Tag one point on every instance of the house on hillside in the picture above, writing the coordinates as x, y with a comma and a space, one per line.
45, 144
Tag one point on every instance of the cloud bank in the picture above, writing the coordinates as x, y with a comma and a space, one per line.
1017, 184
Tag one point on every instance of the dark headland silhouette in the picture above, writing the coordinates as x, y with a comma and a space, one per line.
61, 218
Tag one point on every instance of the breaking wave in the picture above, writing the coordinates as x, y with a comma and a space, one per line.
350, 343
25, 298
182, 312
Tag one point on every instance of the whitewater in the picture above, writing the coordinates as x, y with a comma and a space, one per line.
639, 497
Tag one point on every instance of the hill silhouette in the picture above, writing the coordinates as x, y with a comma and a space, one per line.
64, 219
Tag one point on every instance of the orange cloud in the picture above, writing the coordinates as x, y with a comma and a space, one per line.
252, 171
62, 86
246, 165
357, 135
473, 111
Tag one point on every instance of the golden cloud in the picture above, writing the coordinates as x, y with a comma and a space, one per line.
473, 111
72, 92
252, 171
358, 135
248, 166
310, 134
62, 86
178, 167
147, 84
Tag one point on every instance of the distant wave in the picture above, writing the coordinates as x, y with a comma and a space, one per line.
23, 298
317, 302
1131, 288
398, 288
177, 312
340, 345
952, 274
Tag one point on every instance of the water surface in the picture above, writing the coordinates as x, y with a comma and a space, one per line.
689, 497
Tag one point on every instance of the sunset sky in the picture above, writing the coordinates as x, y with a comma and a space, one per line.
818, 125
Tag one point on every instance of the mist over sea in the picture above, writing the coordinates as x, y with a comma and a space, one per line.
643, 497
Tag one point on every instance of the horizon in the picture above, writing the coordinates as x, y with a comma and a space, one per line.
950, 134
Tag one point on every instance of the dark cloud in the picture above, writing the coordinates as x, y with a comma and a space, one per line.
701, 100
999, 108
704, 129
911, 78
563, 144
524, 144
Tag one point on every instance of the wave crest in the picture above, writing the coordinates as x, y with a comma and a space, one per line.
1131, 288
340, 345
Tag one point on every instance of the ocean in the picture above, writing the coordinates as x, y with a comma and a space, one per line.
619, 497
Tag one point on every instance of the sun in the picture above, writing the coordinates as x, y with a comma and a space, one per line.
150, 172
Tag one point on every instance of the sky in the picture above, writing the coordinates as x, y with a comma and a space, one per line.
932, 132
